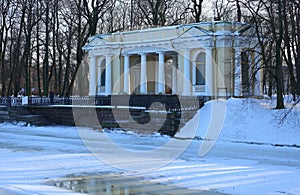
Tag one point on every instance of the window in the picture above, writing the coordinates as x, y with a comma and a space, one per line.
101, 77
103, 70
200, 69
102, 73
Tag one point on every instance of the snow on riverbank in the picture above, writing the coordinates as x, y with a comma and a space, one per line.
253, 120
32, 156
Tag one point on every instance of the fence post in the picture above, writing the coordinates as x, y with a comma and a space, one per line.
8, 102
29, 101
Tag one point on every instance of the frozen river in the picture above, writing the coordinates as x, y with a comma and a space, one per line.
32, 158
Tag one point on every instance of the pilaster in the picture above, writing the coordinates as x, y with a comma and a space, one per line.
143, 84
161, 72
208, 71
187, 73
92, 75
108, 60
126, 73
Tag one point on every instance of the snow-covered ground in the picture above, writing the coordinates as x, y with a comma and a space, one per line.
256, 152
252, 120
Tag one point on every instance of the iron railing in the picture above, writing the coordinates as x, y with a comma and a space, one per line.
159, 102
10, 101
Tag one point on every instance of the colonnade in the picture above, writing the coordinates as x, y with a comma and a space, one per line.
160, 71
181, 84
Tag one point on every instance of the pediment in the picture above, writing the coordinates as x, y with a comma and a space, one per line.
247, 31
94, 41
195, 32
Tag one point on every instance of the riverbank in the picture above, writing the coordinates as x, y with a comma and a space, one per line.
238, 163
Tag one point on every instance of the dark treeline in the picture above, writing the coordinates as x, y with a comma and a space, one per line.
41, 40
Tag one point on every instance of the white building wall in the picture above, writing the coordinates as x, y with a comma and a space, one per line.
221, 70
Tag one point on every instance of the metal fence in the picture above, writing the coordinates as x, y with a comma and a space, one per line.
10, 101
166, 102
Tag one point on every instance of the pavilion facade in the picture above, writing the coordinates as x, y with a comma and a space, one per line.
200, 59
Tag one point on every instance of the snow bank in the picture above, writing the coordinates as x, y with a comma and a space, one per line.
252, 120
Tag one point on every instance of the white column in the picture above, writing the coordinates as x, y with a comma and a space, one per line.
174, 75
194, 69
143, 85
93, 79
208, 72
237, 72
156, 74
108, 60
126, 73
98, 78
187, 73
161, 72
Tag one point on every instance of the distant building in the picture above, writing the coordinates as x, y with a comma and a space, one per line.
202, 59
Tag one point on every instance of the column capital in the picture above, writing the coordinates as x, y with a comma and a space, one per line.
142, 53
187, 53
109, 55
125, 54
91, 55
208, 48
160, 52
186, 49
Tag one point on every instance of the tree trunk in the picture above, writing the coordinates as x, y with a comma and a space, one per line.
46, 58
28, 50
38, 58
18, 71
239, 12
279, 76
270, 86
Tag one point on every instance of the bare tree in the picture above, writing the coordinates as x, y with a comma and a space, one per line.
4, 29
268, 20
291, 16
197, 9
161, 12
229, 10
17, 52
93, 11
238, 10
222, 9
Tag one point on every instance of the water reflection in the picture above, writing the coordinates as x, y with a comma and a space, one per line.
109, 184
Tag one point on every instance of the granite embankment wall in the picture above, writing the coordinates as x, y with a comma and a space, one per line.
138, 119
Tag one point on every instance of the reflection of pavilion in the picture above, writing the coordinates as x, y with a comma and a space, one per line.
202, 59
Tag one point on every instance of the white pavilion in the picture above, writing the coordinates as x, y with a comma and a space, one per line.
200, 59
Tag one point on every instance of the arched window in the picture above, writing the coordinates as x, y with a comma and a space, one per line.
103, 77
200, 69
